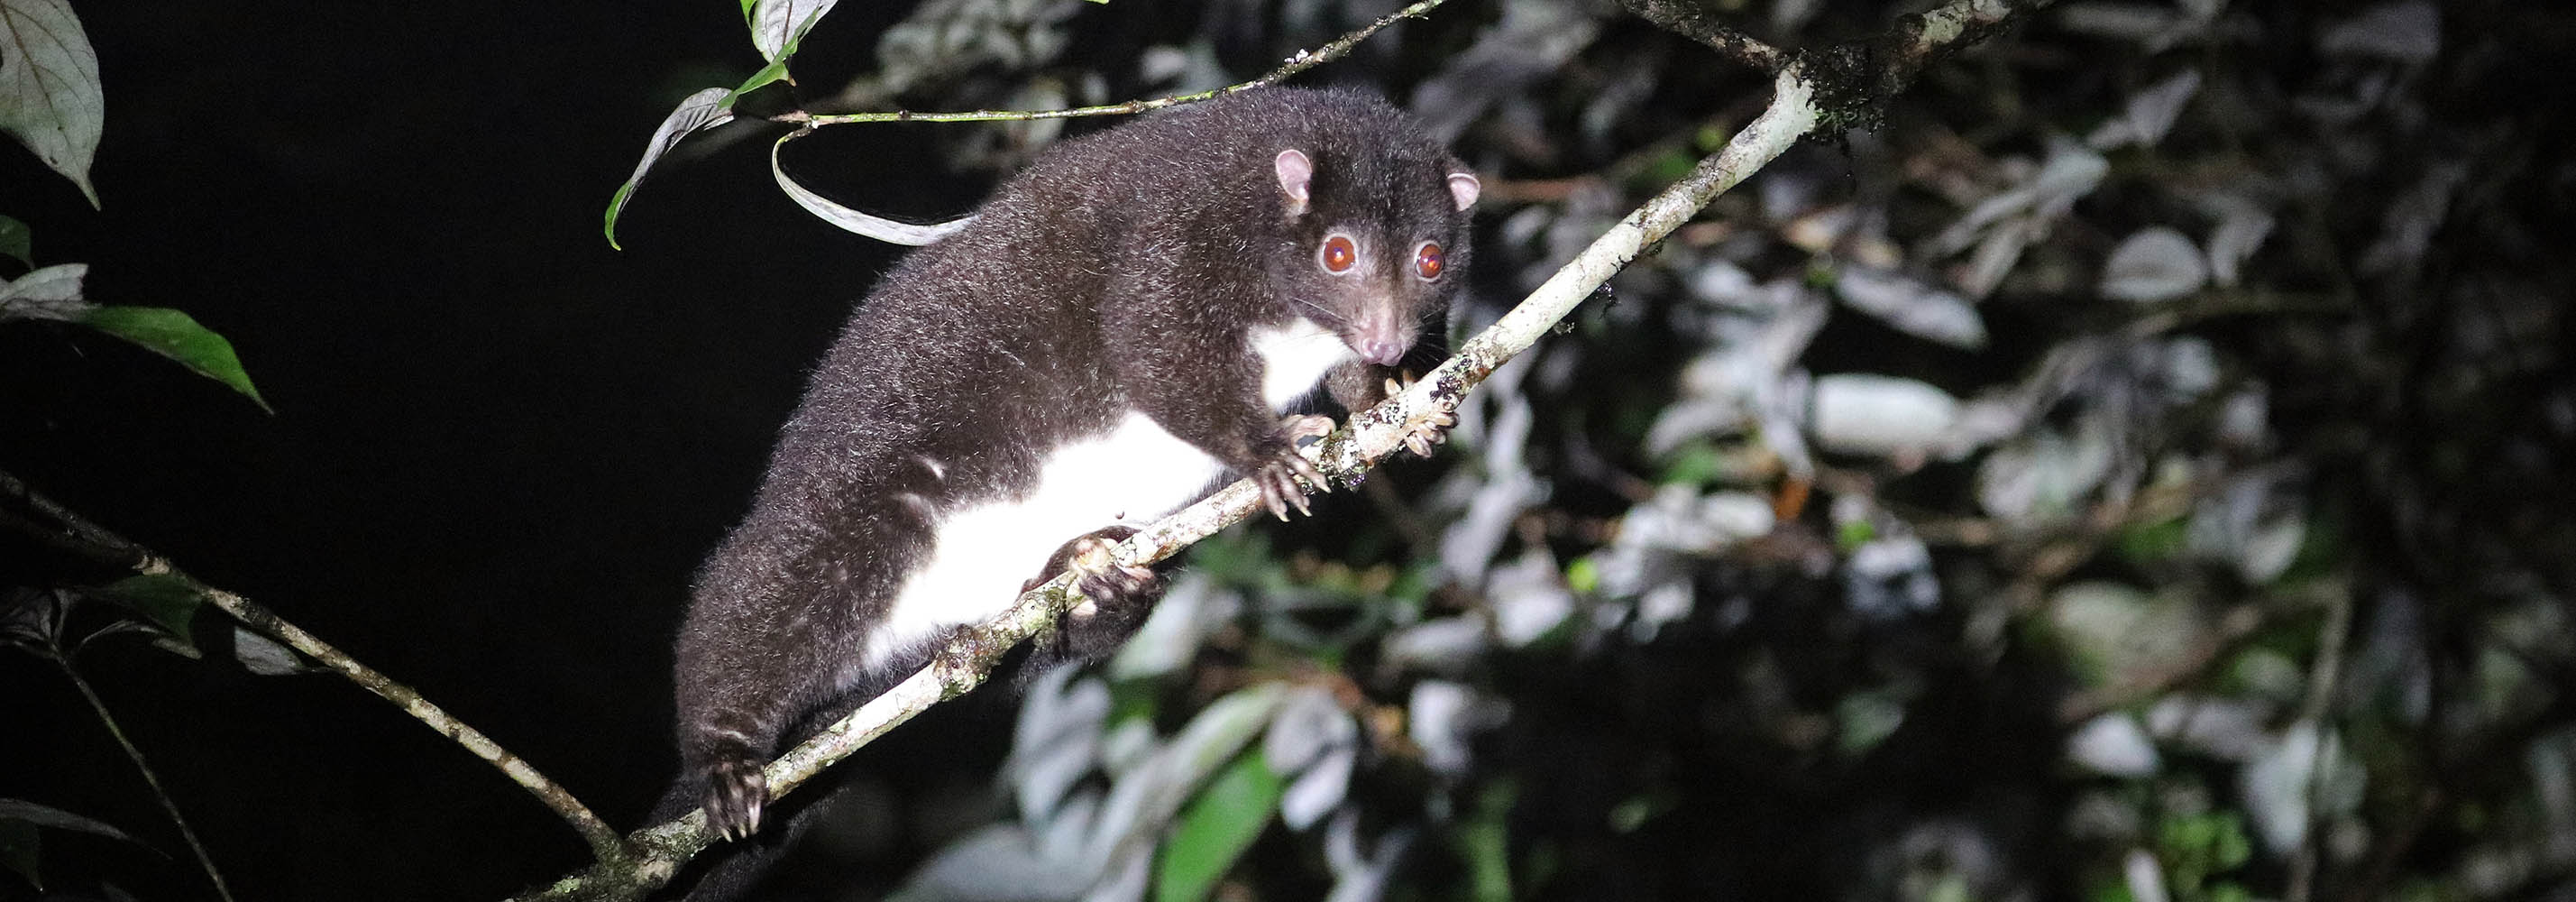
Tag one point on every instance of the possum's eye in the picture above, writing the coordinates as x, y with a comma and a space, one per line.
1428, 261
1338, 253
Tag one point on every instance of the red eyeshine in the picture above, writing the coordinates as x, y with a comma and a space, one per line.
1339, 253
1428, 260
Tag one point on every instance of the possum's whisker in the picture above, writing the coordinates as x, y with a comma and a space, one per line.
1336, 319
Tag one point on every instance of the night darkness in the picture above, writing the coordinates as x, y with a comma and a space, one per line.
500, 446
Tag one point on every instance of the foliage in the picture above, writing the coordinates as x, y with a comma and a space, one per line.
1977, 509
50, 100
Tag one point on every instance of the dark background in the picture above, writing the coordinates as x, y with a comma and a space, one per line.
499, 449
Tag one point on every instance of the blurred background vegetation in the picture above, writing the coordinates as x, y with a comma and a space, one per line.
2130, 471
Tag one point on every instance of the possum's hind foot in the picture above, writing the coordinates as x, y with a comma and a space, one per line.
1116, 597
736, 790
1106, 584
1424, 430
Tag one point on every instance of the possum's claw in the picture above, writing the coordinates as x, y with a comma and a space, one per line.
1297, 428
1105, 582
1278, 478
736, 790
1422, 431
1115, 599
1279, 488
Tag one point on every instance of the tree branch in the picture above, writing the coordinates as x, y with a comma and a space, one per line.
1919, 39
1687, 19
151, 779
71, 531
1300, 62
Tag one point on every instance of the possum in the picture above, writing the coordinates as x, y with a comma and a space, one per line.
1115, 332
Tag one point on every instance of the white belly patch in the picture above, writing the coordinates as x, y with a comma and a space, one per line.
1134, 474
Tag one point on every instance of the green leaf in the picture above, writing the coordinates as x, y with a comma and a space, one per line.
1820, 274
1668, 167
1636, 810
1136, 699
265, 656
1216, 829
17, 242
851, 220
1710, 138
2111, 891
22, 840
1866, 719
1485, 842
1583, 576
173, 334
49, 90
166, 601
705, 109
769, 74
1697, 463
2156, 541
777, 26
1853, 534
53, 292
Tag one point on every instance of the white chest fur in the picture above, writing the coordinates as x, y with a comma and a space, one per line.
1294, 358
1135, 473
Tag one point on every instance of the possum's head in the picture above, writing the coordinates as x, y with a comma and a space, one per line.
1378, 240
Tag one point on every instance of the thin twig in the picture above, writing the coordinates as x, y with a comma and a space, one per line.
169, 805
1918, 39
105, 546
1300, 62
1687, 19
2320, 701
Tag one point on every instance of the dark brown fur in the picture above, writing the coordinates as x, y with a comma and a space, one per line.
1122, 271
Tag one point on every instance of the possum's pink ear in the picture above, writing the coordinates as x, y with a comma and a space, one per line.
1295, 174
1463, 189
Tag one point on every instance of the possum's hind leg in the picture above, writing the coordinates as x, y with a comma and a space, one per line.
746, 673
776, 627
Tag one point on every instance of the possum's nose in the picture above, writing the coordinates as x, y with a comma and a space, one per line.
1380, 350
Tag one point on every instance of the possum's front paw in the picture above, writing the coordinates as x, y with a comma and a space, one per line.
1277, 478
736, 790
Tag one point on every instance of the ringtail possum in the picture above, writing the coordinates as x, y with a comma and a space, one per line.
1116, 332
